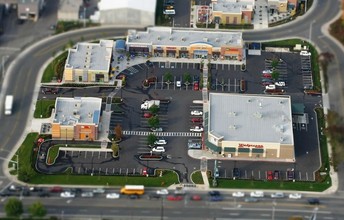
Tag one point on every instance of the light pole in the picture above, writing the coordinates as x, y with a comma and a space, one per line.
84, 17
273, 210
66, 138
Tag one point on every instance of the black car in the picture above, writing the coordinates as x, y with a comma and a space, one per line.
214, 193
291, 174
313, 201
154, 196
50, 91
236, 172
44, 194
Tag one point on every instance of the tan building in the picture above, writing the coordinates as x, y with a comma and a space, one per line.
250, 127
30, 9
232, 11
186, 44
76, 118
283, 5
89, 62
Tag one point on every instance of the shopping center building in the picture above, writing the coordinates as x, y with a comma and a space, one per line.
250, 127
186, 44
76, 118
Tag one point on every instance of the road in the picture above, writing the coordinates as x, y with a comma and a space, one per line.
22, 74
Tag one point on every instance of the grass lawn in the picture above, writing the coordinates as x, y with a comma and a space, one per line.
273, 185
50, 71
197, 177
44, 108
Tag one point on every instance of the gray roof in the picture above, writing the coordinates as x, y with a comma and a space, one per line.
174, 37
251, 118
233, 6
91, 56
78, 110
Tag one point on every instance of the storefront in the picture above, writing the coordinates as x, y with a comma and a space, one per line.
158, 52
203, 54
139, 50
171, 51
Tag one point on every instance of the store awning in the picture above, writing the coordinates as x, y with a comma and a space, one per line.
230, 149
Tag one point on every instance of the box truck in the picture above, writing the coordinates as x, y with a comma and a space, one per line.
8, 104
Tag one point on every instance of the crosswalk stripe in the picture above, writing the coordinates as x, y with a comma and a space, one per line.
163, 134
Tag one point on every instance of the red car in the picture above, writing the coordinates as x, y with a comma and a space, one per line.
196, 120
266, 75
196, 86
147, 115
174, 198
196, 198
56, 189
270, 175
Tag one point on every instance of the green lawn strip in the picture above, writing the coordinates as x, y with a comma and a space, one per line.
290, 43
323, 140
44, 108
197, 177
168, 178
50, 70
273, 185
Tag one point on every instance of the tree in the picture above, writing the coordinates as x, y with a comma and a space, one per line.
325, 59
274, 74
187, 79
154, 122
154, 109
168, 78
151, 139
115, 149
274, 62
118, 132
14, 207
37, 210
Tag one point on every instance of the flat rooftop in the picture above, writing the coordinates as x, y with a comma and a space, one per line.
236, 6
168, 36
78, 110
91, 56
251, 118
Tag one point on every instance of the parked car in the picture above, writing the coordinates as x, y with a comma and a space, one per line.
43, 194
236, 172
290, 174
14, 188
196, 120
238, 194
174, 198
162, 192
178, 83
196, 86
217, 198
270, 87
257, 194
313, 201
112, 196
267, 75
266, 71
154, 196
277, 195
295, 196
267, 83
196, 112
67, 194
87, 194
133, 196
305, 53
156, 129
276, 175
147, 115
269, 175
214, 193
160, 142
158, 149
196, 129
50, 90
280, 83
35, 189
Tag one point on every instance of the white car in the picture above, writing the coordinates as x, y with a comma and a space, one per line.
295, 196
178, 83
87, 194
196, 112
99, 190
270, 87
280, 83
160, 142
156, 129
277, 195
67, 194
267, 71
257, 194
196, 129
162, 192
238, 194
305, 53
112, 196
158, 149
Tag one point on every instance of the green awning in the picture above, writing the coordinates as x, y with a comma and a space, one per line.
256, 150
244, 150
229, 149
212, 146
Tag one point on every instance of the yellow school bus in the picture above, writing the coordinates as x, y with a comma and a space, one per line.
133, 190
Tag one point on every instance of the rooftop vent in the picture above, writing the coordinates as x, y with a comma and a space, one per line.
217, 40
171, 38
205, 39
89, 115
258, 115
159, 38
233, 127
137, 36
281, 139
183, 39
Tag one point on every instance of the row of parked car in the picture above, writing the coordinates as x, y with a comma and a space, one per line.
197, 121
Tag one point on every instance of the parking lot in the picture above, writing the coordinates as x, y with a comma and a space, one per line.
176, 121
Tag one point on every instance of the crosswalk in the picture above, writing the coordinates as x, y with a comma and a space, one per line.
163, 134
133, 70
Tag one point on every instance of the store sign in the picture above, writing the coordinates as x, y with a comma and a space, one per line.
251, 145
170, 48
